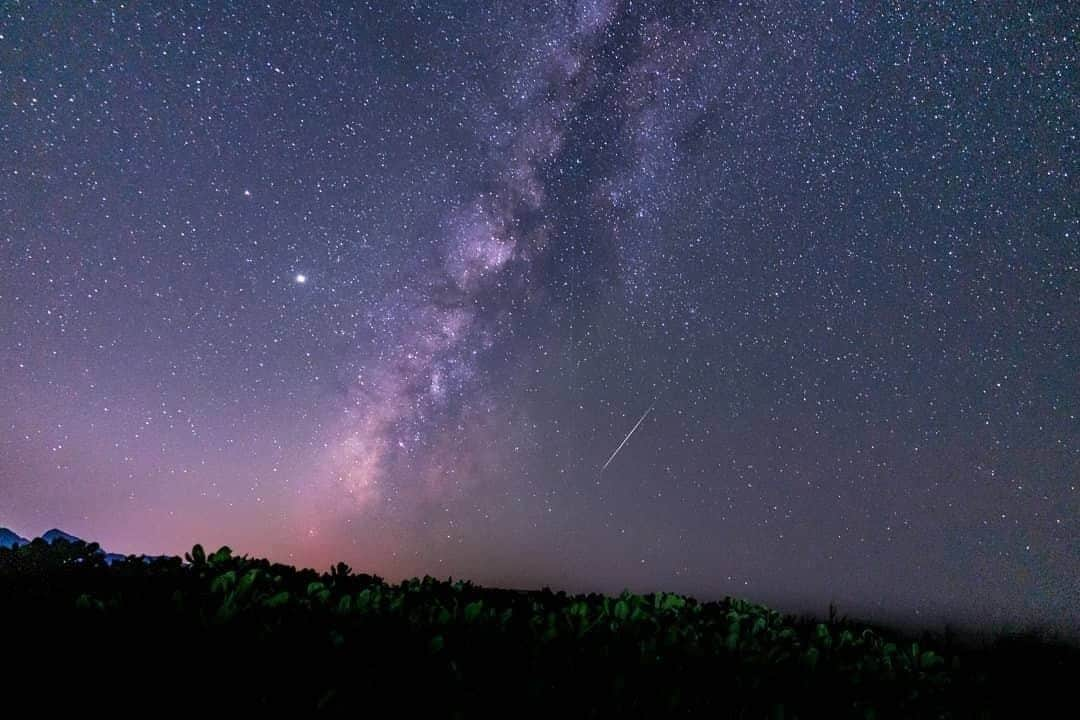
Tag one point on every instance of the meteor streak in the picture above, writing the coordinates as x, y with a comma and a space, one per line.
627, 438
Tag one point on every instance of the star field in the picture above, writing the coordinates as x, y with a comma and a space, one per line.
389, 284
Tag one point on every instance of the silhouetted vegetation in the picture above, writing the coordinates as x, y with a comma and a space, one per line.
215, 633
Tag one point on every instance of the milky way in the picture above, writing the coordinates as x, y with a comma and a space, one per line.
484, 249
390, 284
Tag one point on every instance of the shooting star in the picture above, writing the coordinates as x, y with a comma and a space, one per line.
627, 438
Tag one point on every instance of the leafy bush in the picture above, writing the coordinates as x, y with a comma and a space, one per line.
220, 632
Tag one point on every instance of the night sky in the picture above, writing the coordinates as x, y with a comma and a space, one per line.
392, 284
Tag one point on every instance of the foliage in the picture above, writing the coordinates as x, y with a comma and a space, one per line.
223, 632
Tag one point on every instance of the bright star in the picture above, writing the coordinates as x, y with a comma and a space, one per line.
301, 278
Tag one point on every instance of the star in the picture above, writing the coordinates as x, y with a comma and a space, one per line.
607, 271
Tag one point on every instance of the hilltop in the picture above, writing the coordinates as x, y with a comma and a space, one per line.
10, 539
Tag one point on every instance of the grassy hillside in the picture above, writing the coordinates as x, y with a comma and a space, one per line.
221, 633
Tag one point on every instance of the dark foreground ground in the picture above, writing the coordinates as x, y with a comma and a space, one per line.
220, 634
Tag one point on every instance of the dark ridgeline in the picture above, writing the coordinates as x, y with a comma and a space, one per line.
10, 539
215, 633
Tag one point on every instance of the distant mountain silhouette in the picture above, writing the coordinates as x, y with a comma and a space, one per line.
9, 539
53, 535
